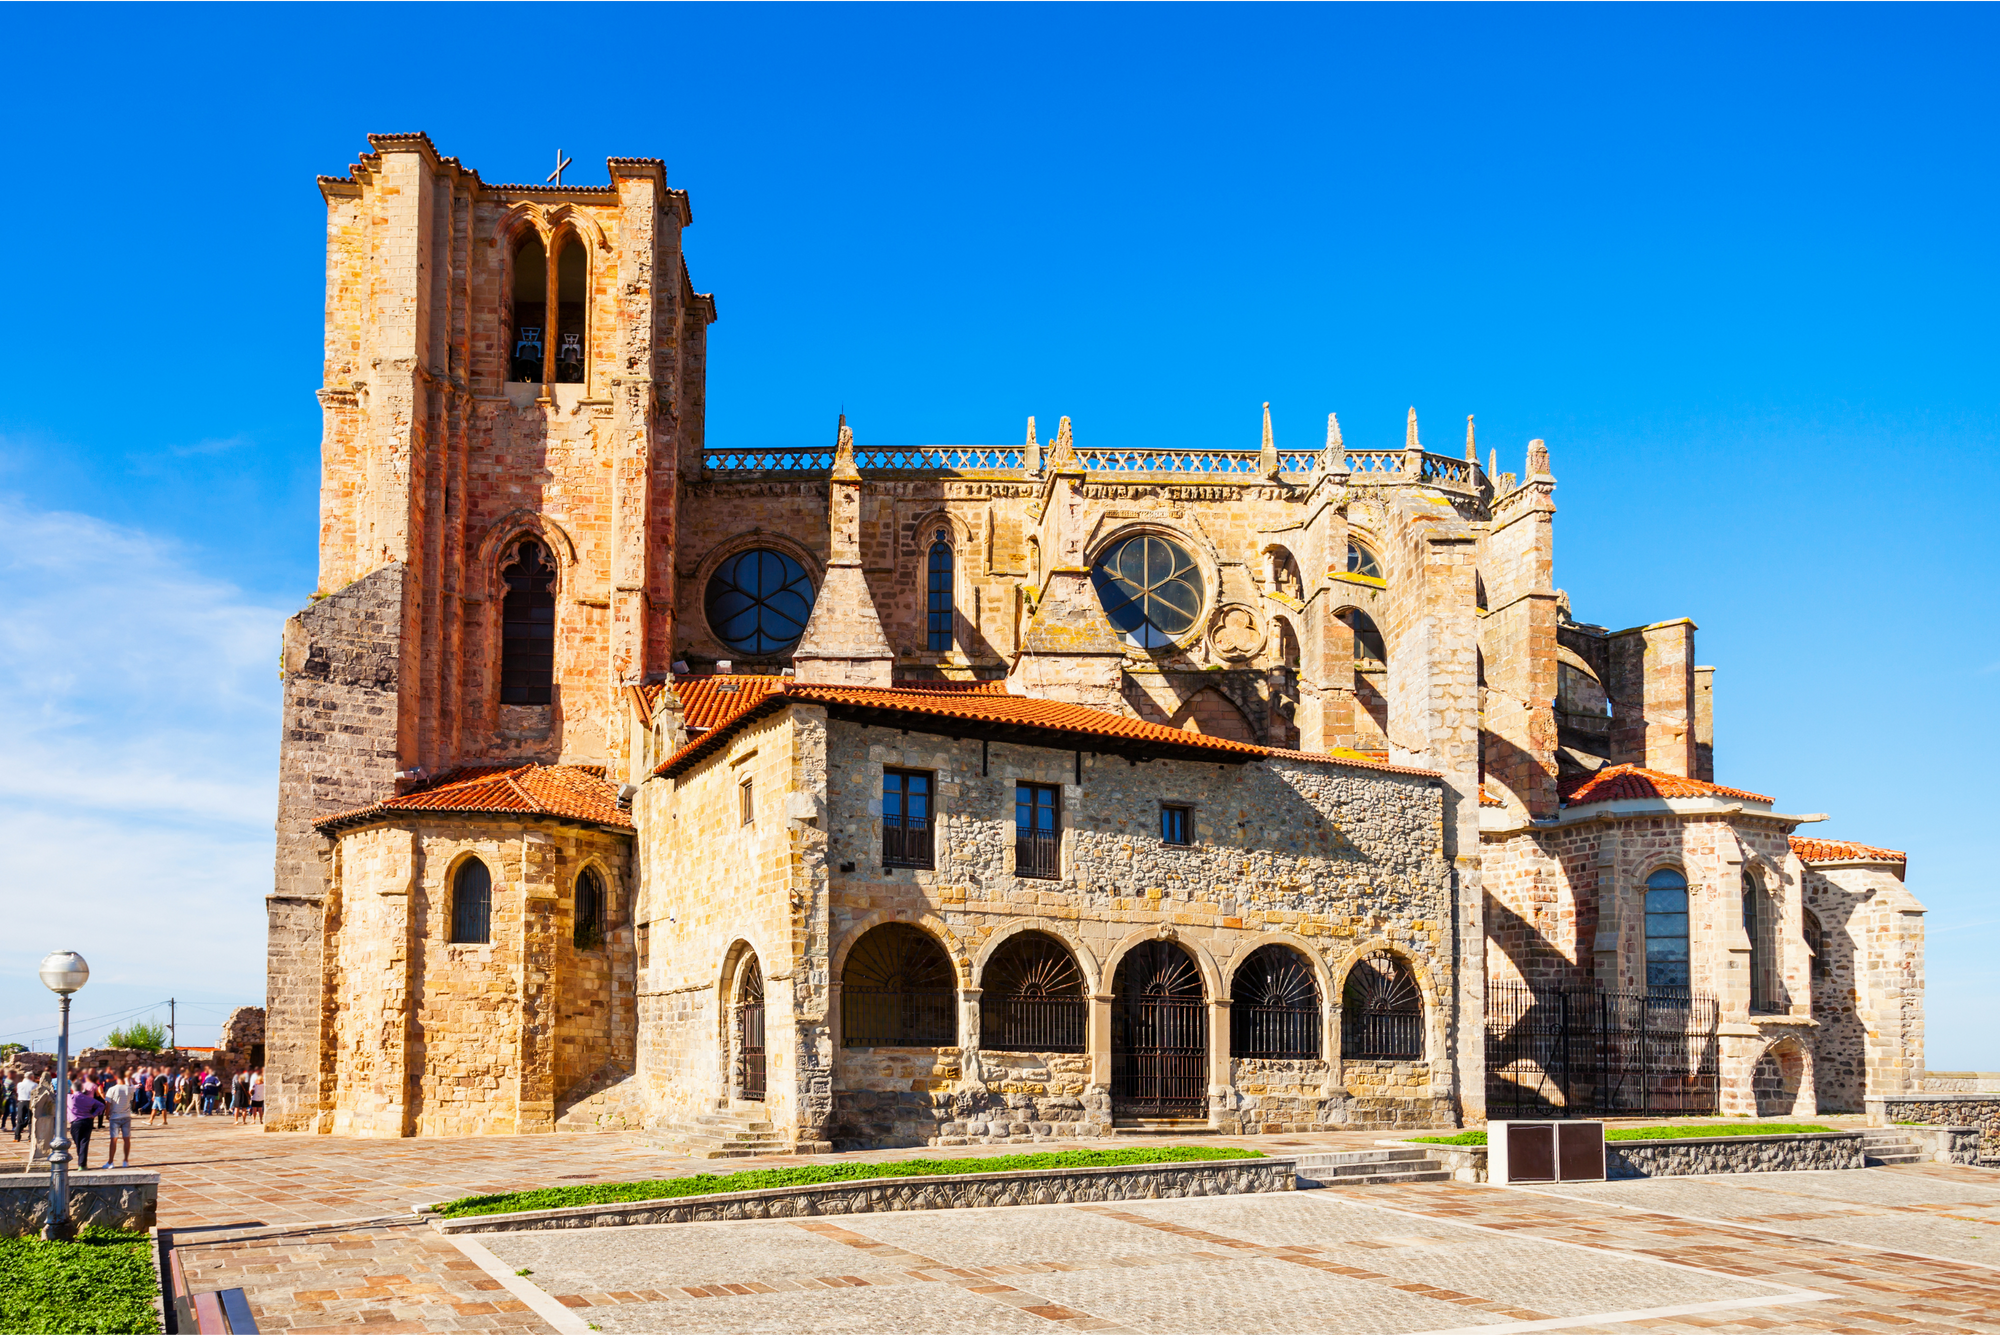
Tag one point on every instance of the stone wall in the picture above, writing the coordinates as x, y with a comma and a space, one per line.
1940, 1109
1958, 1082
1868, 989
1731, 1154
126, 1199
972, 1191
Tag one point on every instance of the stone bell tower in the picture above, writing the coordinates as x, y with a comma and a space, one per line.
512, 385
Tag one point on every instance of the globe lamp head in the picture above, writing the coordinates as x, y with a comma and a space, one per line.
64, 972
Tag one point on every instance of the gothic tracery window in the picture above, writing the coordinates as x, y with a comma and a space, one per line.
758, 602
528, 628
1361, 561
1151, 590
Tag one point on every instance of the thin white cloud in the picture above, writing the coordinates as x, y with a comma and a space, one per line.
138, 766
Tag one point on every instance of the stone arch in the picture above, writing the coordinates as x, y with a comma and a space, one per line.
1782, 1078
1285, 645
1435, 1043
1249, 943
617, 902
1284, 573
1211, 973
488, 854
501, 535
926, 922
1086, 961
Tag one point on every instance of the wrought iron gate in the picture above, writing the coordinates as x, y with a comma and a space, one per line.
750, 1032
1159, 1035
1582, 1051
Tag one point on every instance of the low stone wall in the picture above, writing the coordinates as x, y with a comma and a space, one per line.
116, 1198
1945, 1144
1959, 1082
1465, 1163
1051, 1186
1732, 1154
1942, 1109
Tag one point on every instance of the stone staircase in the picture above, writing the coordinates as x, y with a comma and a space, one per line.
1889, 1145
1162, 1126
1368, 1168
737, 1132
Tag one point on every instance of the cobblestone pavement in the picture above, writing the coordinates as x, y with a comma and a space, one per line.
1757, 1252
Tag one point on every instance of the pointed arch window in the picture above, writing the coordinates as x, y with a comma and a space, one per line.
528, 628
1760, 925
1361, 561
1368, 645
472, 904
530, 307
589, 930
572, 280
1667, 933
940, 609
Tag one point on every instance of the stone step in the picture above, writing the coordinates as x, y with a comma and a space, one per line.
1387, 1177
1346, 1158
1874, 1158
1163, 1126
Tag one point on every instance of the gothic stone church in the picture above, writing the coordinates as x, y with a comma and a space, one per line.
847, 794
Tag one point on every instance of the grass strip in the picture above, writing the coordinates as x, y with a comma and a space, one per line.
765, 1179
102, 1282
1660, 1132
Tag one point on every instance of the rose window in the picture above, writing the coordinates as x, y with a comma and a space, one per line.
1151, 590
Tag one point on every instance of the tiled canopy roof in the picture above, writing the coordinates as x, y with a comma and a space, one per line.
1622, 783
982, 706
565, 792
1840, 850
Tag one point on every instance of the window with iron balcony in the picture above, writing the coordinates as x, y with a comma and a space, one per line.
1038, 831
906, 818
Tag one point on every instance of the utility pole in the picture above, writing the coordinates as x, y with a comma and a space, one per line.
173, 1035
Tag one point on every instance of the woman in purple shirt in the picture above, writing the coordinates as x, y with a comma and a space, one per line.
84, 1105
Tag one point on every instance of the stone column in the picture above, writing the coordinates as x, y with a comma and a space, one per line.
1100, 1039
1219, 1064
535, 977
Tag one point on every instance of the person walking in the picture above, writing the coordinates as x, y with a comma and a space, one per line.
24, 1094
118, 1119
84, 1105
257, 1096
211, 1086
239, 1098
161, 1096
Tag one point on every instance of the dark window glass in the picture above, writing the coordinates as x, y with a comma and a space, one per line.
1037, 831
1760, 925
1667, 933
940, 595
1361, 561
589, 933
528, 629
571, 265
1368, 645
758, 602
1174, 825
1151, 590
897, 989
1275, 1010
1819, 964
531, 305
472, 904
906, 818
1381, 1011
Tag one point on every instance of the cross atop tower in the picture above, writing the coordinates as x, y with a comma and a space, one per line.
555, 177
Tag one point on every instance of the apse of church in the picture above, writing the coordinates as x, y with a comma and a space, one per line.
844, 793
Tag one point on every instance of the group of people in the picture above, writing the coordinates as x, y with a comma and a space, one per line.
108, 1101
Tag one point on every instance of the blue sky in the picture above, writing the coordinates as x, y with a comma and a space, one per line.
1735, 264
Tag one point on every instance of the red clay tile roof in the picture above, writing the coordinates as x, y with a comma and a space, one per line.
566, 792
1487, 799
990, 707
1619, 783
707, 702
1840, 850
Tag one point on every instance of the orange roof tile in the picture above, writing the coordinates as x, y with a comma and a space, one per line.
993, 709
1619, 783
708, 701
1840, 850
565, 792
1487, 799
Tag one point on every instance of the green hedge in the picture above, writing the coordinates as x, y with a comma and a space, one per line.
1660, 1132
764, 1179
102, 1282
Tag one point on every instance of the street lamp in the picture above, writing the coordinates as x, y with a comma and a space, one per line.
63, 973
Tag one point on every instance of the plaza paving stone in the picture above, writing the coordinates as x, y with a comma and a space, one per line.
1907, 1249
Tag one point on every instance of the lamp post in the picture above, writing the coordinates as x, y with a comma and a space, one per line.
63, 973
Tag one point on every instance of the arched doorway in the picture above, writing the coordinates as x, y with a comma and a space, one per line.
750, 1032
1159, 1035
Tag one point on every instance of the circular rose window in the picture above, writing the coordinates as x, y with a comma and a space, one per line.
758, 602
1151, 589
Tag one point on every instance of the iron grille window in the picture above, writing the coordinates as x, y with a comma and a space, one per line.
1031, 997
472, 904
527, 629
1159, 1034
589, 930
1579, 1051
1174, 825
1381, 1011
906, 818
1038, 831
940, 608
1274, 1007
898, 989
750, 1032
